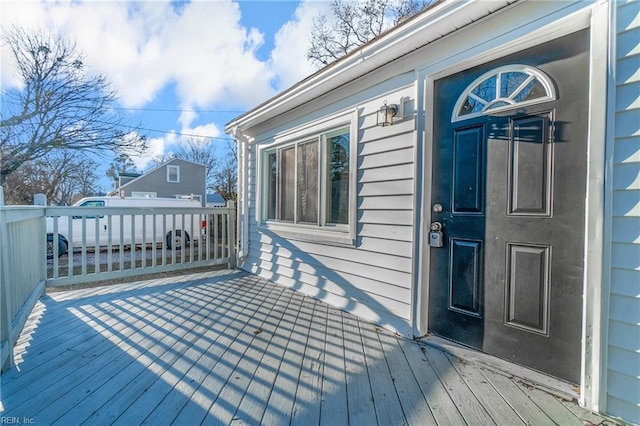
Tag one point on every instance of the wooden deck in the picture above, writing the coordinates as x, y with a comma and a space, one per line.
227, 347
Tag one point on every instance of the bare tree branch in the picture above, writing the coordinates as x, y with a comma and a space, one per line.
225, 180
201, 151
64, 177
58, 106
353, 23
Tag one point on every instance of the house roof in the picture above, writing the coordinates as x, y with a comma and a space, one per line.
215, 199
125, 174
433, 23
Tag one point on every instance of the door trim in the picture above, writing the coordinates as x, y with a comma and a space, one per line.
596, 278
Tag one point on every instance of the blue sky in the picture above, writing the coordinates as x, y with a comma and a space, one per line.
180, 67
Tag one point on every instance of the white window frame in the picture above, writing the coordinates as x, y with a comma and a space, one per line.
177, 169
322, 232
510, 103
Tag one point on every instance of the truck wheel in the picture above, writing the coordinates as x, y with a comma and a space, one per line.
175, 239
62, 246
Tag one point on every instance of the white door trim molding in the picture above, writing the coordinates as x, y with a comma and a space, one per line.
596, 17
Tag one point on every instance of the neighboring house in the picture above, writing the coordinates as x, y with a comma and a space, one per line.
215, 200
516, 138
175, 178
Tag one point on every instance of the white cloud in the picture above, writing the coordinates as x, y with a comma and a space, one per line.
199, 46
156, 148
187, 117
167, 144
292, 42
199, 49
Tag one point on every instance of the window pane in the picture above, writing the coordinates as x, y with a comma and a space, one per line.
308, 182
533, 90
287, 183
486, 90
272, 183
510, 81
173, 173
471, 106
338, 200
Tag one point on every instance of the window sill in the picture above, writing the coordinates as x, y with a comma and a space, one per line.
311, 234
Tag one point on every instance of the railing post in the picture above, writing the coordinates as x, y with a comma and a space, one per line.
40, 200
231, 235
6, 342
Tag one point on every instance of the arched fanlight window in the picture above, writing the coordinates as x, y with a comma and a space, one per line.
504, 88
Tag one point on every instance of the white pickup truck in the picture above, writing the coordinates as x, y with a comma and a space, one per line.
129, 221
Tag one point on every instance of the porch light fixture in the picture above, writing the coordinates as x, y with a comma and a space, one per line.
386, 114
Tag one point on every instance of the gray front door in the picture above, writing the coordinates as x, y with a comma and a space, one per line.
508, 279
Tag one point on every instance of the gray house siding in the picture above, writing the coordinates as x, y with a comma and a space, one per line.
372, 278
192, 181
623, 357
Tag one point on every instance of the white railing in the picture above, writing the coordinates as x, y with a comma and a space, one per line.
22, 271
97, 244
100, 243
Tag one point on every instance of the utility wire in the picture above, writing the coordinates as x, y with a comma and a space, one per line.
171, 132
177, 110
182, 134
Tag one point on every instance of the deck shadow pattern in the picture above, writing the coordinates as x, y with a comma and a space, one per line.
227, 347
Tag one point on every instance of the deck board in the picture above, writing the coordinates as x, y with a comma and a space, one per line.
147, 360
524, 406
360, 400
334, 389
198, 407
281, 399
385, 397
442, 406
205, 353
252, 407
306, 408
488, 396
468, 404
227, 347
414, 405
552, 407
51, 382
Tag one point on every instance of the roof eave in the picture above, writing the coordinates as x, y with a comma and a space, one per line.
426, 27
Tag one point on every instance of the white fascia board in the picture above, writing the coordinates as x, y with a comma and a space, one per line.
434, 23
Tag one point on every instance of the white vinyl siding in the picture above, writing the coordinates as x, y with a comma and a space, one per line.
372, 277
623, 356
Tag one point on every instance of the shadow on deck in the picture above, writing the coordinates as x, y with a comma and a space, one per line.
228, 347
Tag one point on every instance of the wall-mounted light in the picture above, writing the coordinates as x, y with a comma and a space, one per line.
386, 114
